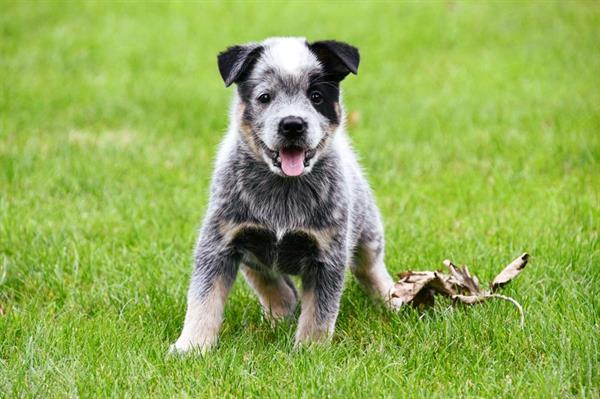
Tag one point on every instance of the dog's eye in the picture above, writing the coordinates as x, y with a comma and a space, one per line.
264, 98
316, 97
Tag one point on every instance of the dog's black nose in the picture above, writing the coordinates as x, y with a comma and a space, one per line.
292, 126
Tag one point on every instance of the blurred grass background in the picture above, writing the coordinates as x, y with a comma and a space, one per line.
479, 127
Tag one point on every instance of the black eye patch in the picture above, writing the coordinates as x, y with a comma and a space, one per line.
245, 90
330, 91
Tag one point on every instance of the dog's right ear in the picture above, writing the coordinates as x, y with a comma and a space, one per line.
235, 62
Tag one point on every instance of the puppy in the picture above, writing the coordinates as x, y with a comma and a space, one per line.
288, 196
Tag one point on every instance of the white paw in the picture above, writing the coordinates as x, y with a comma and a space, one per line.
392, 302
191, 346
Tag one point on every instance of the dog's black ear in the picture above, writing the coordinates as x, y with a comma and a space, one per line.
235, 62
338, 58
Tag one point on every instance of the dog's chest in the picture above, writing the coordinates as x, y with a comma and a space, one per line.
284, 251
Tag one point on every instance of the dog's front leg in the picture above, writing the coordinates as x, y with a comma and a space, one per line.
322, 288
214, 273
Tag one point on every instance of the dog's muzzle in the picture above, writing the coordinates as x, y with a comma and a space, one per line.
292, 155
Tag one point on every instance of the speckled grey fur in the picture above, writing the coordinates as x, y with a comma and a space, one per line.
314, 225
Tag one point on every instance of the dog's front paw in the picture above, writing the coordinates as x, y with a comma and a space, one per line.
392, 302
315, 337
189, 345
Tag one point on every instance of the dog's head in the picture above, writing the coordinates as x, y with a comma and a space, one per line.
289, 97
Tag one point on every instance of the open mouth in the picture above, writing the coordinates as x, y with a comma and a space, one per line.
292, 160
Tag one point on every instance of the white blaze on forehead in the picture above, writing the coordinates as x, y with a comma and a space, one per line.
290, 54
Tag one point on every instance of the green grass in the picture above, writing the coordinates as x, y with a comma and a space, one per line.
480, 133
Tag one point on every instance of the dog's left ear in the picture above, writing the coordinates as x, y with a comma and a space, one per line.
235, 62
338, 58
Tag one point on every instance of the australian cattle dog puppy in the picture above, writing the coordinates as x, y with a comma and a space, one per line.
288, 197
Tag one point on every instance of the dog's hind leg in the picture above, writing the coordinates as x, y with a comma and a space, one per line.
369, 269
277, 294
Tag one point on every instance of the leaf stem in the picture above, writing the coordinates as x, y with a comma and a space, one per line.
514, 302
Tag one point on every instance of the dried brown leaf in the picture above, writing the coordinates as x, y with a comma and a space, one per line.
510, 272
461, 277
419, 288
441, 284
410, 284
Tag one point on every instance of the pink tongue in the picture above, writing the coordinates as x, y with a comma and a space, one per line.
292, 161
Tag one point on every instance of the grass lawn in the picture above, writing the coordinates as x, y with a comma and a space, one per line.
480, 133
